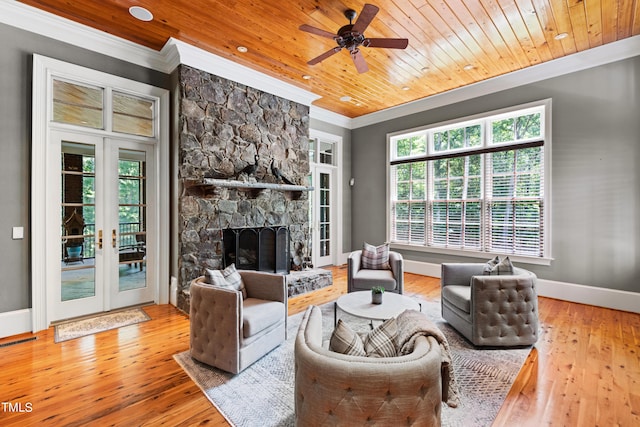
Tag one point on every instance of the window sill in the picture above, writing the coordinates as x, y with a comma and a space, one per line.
483, 256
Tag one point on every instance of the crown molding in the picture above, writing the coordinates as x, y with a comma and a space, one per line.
206, 61
46, 24
590, 58
330, 117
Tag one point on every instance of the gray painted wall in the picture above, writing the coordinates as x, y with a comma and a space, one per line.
15, 144
346, 175
595, 173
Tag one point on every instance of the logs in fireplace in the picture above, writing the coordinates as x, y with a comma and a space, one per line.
261, 248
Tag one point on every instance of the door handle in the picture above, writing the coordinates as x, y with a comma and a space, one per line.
99, 239
114, 241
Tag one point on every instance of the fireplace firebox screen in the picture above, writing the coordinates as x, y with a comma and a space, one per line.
261, 248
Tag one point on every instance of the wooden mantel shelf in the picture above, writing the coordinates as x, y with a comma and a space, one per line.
229, 183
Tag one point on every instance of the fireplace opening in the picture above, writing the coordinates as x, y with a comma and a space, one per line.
260, 248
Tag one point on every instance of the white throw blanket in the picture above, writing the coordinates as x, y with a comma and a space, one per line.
413, 324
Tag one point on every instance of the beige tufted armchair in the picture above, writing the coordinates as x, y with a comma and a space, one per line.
340, 390
490, 310
231, 333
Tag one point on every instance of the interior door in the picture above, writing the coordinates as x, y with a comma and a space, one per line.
100, 261
323, 213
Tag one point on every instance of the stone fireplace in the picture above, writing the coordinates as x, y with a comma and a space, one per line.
243, 163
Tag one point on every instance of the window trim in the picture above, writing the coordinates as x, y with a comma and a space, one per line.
546, 139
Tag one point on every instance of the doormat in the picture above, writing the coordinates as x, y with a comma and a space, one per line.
104, 322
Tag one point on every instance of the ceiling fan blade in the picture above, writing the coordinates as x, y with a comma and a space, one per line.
387, 43
360, 63
324, 56
317, 31
369, 11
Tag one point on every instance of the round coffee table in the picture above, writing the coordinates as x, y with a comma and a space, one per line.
359, 304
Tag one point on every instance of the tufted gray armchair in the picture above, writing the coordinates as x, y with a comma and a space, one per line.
361, 279
231, 333
341, 390
497, 310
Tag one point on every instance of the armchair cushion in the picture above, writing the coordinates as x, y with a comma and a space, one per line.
258, 315
375, 257
367, 279
459, 296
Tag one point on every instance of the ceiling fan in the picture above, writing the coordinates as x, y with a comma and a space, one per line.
351, 37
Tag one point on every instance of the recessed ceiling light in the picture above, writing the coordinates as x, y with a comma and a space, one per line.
405, 88
345, 98
141, 13
424, 69
242, 49
561, 36
306, 77
468, 67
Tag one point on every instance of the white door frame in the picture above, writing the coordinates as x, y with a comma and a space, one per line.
337, 194
42, 201
331, 259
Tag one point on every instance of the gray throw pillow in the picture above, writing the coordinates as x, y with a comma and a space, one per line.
503, 267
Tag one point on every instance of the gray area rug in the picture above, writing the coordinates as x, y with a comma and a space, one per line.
262, 395
104, 322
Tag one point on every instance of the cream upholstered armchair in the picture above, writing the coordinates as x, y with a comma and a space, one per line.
231, 332
490, 310
342, 390
363, 279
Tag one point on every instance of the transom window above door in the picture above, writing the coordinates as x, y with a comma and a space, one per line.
322, 152
103, 108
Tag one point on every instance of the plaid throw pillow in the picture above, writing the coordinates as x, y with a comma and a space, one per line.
381, 341
498, 267
375, 257
344, 340
228, 278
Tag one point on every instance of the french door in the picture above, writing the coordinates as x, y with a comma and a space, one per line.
104, 228
323, 215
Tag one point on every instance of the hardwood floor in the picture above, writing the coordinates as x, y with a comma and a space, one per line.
584, 370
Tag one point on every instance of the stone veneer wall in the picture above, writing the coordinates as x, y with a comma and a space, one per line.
234, 132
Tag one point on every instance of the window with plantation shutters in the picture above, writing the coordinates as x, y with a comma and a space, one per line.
476, 185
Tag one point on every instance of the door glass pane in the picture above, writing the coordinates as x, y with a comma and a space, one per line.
132, 114
132, 210
77, 104
77, 216
325, 207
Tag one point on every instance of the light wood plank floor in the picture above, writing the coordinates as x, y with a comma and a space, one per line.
584, 371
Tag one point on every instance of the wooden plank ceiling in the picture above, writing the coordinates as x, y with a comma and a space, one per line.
452, 43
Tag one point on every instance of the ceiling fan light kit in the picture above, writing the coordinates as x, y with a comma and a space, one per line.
351, 37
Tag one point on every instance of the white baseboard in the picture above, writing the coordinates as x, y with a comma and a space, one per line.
582, 294
15, 322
